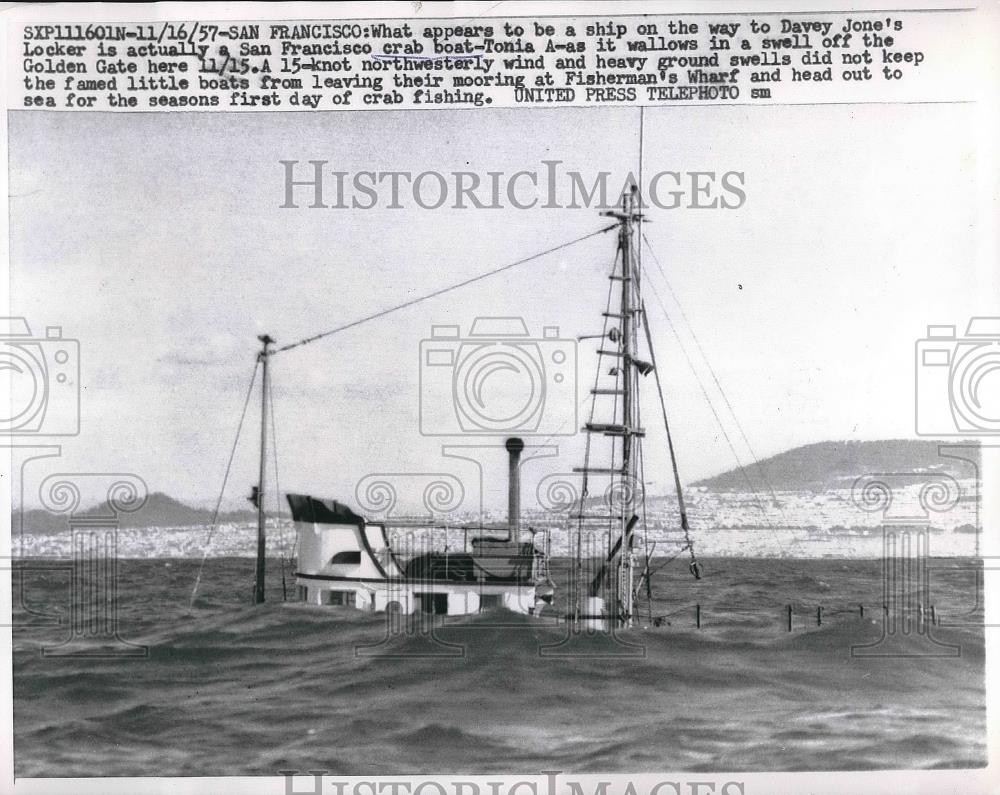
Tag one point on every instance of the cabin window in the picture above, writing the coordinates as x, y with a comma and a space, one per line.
490, 601
436, 603
302, 593
351, 558
340, 598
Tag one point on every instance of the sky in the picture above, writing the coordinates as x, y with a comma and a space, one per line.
158, 241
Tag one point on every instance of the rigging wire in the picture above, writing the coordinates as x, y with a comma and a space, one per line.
645, 538
619, 386
715, 379
718, 419
670, 445
642, 235
586, 453
614, 455
647, 573
436, 293
225, 480
613, 573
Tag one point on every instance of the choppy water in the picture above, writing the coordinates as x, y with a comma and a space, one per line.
230, 689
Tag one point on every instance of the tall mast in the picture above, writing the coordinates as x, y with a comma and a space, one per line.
629, 409
263, 357
617, 571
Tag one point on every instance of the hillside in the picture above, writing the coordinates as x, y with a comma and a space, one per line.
830, 465
160, 510
812, 468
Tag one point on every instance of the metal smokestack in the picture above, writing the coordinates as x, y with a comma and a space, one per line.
514, 447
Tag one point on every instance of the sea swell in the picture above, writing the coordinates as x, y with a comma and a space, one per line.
231, 689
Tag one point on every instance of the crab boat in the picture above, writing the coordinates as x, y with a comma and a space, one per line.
346, 560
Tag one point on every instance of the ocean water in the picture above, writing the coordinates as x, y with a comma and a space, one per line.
226, 688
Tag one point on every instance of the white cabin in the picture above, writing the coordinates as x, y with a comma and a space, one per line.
345, 561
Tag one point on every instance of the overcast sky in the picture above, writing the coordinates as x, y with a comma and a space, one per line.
157, 240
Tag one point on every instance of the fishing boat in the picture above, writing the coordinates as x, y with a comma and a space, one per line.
346, 560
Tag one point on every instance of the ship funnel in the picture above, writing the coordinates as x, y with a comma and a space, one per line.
514, 447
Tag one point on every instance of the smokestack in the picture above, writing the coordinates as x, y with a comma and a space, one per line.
514, 447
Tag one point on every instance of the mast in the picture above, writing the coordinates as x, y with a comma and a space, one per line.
629, 410
616, 576
618, 568
263, 357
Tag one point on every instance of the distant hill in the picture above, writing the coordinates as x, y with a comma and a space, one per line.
160, 510
829, 465
814, 467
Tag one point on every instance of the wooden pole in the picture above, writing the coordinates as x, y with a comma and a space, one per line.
789, 618
258, 590
697, 616
819, 616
